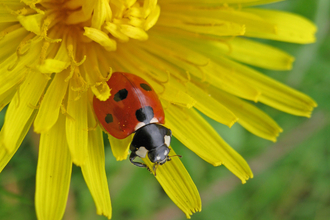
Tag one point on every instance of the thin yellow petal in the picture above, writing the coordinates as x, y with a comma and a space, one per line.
32, 22
13, 69
250, 117
298, 30
53, 173
102, 12
201, 25
5, 155
92, 69
120, 147
94, 171
177, 184
53, 66
7, 96
101, 38
134, 32
77, 127
6, 16
21, 109
9, 41
114, 29
254, 2
211, 107
273, 93
152, 18
225, 13
220, 2
101, 91
51, 103
198, 135
217, 75
247, 51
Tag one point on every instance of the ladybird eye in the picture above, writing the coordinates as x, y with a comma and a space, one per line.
108, 118
120, 95
146, 87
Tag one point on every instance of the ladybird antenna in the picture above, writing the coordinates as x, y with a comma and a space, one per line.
170, 157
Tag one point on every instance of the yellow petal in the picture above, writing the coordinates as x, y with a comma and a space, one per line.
10, 40
81, 15
101, 91
192, 62
191, 129
254, 2
51, 103
114, 30
178, 185
13, 69
6, 16
247, 51
220, 2
101, 38
288, 27
227, 14
152, 18
21, 109
94, 171
5, 155
77, 127
32, 22
211, 107
200, 25
134, 32
273, 93
7, 96
53, 66
120, 147
102, 12
53, 173
250, 117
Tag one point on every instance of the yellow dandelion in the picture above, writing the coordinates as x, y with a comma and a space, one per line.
57, 55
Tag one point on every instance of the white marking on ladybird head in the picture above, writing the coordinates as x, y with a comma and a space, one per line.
167, 140
154, 120
165, 152
139, 125
142, 152
158, 158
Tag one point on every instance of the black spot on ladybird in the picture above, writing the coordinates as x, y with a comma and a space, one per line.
108, 118
120, 95
144, 114
146, 87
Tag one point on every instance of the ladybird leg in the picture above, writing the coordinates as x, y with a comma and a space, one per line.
132, 157
155, 167
169, 132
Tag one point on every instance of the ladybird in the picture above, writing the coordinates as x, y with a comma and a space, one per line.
134, 107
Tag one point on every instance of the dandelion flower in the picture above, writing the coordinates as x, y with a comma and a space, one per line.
57, 55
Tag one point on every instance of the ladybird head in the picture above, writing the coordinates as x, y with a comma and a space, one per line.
152, 140
159, 155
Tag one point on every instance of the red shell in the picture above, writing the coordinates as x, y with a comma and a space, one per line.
118, 116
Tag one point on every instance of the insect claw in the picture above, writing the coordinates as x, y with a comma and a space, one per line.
155, 168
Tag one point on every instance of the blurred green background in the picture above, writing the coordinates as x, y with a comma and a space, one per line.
292, 176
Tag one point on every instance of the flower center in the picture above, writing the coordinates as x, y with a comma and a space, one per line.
103, 21
68, 31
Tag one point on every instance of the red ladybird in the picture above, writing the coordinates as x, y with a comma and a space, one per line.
134, 107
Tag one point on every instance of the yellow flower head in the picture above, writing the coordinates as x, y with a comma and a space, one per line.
57, 55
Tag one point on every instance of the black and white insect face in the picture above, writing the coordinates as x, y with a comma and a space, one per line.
152, 140
159, 155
